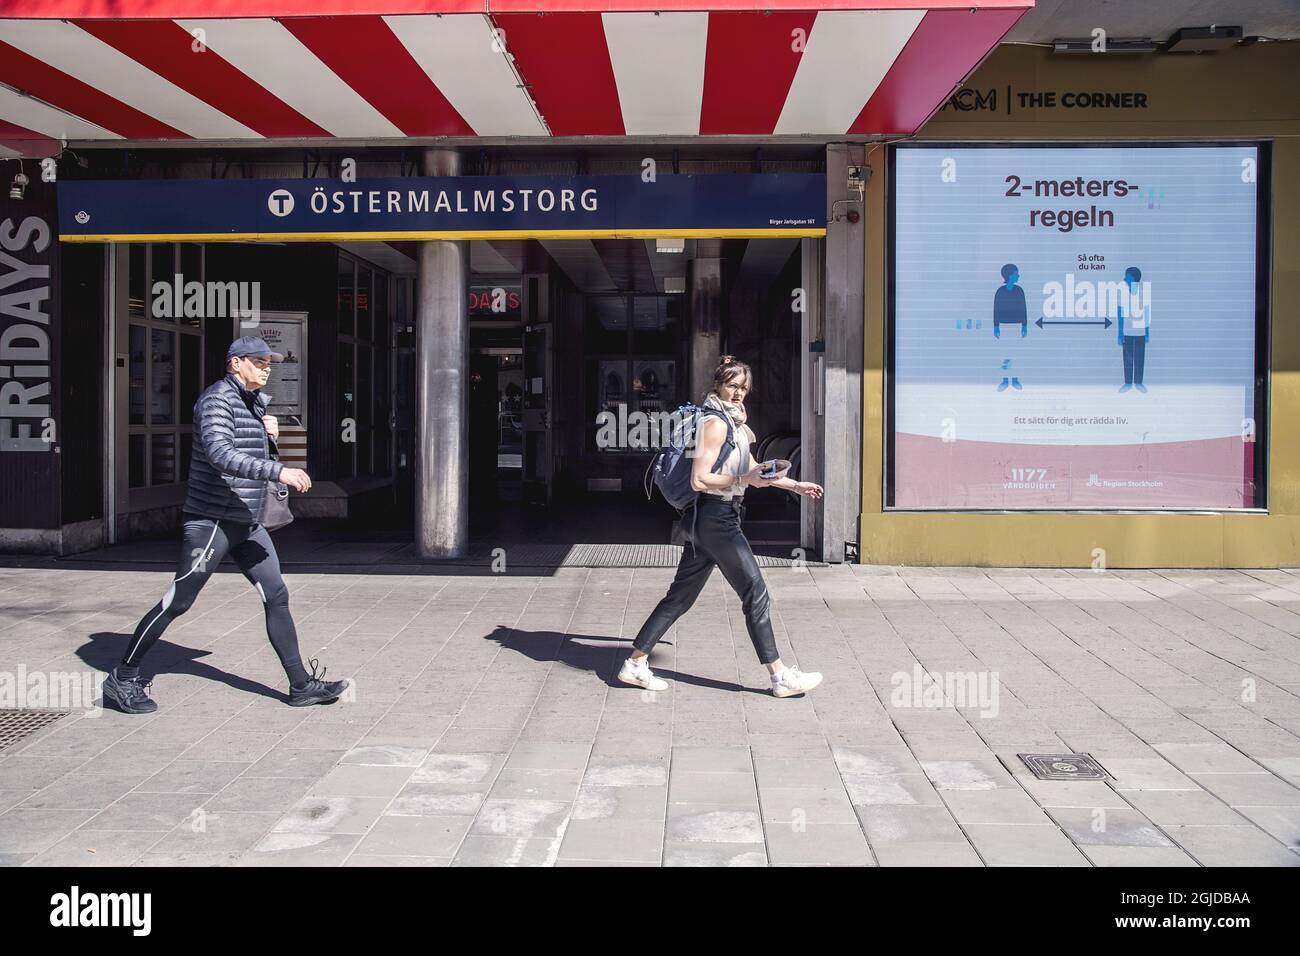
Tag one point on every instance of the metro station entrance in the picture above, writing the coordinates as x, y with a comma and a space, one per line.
570, 366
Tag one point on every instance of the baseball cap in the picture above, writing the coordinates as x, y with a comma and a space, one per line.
251, 345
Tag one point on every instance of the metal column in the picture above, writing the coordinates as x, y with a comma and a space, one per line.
441, 373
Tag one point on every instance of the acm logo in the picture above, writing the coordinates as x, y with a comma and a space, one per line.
967, 100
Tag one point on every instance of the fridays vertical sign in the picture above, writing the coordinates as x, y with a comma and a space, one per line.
27, 271
29, 357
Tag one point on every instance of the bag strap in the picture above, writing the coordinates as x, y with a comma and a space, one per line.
729, 444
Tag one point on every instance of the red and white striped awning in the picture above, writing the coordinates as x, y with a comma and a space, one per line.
236, 71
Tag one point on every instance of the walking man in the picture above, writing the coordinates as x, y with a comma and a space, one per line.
230, 467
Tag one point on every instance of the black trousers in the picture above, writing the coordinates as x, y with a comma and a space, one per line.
205, 543
713, 525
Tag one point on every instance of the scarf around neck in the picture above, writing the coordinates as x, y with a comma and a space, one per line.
744, 435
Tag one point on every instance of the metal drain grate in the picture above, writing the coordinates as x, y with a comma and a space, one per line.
1064, 766
18, 724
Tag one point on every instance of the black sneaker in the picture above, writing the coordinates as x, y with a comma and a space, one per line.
129, 694
318, 690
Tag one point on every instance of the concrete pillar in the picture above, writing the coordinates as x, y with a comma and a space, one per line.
441, 374
705, 305
845, 317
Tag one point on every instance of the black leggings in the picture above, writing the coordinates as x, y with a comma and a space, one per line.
716, 539
204, 545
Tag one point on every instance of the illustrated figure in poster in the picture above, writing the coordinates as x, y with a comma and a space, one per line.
1009, 309
1134, 330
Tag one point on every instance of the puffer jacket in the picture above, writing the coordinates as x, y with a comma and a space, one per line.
231, 463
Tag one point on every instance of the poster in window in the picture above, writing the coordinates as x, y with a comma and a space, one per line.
286, 335
1076, 327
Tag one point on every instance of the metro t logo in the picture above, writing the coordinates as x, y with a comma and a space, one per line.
280, 202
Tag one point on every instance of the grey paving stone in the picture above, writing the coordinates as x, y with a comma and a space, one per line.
984, 773
1249, 789
921, 854
1147, 773
1145, 856
548, 756
321, 814
994, 806
1232, 846
193, 776
1001, 845
148, 811
711, 759
415, 836
697, 853
1283, 823
805, 806
484, 850
434, 800
361, 781
366, 860
1207, 758
94, 848
724, 789
909, 824
1183, 808
34, 772
818, 844
229, 832
629, 840
231, 745
710, 824
245, 794
80, 792
543, 819
385, 755
463, 769
1102, 827
621, 803
796, 772
188, 859
283, 762
31, 831
605, 771
300, 849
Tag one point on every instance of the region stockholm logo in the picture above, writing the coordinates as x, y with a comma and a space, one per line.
280, 202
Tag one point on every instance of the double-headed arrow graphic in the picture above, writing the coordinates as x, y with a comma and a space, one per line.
1042, 322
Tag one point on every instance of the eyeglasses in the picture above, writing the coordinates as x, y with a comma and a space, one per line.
260, 363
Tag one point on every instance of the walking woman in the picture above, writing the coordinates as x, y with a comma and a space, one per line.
716, 538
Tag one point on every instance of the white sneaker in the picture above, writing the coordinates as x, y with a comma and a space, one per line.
791, 681
638, 674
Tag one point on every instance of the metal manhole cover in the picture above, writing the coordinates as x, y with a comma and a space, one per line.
17, 724
1064, 766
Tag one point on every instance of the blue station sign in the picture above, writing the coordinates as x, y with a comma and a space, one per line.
430, 207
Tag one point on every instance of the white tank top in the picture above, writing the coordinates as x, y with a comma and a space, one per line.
737, 464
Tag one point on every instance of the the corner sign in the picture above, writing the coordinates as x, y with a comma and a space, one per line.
462, 207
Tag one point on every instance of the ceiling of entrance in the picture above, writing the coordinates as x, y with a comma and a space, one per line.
603, 265
233, 72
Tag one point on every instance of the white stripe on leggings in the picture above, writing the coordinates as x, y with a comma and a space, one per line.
171, 594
